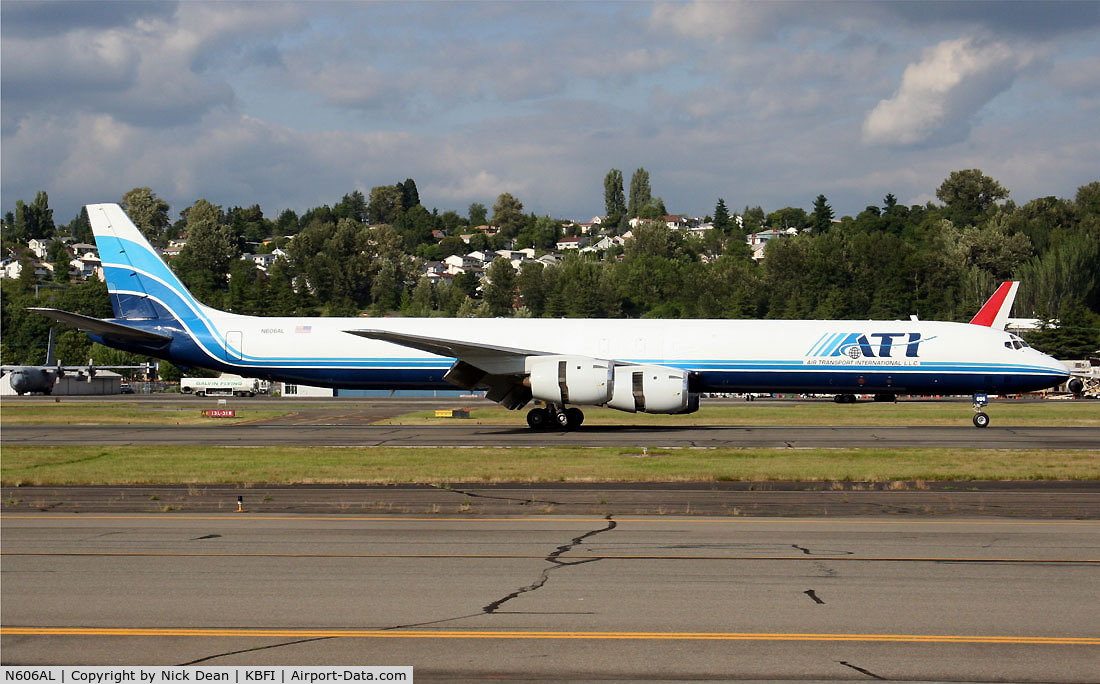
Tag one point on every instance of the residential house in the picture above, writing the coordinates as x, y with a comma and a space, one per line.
485, 257
264, 261
86, 267
459, 263
575, 242
40, 246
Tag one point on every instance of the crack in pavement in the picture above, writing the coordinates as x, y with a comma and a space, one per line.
252, 650
522, 502
845, 663
555, 558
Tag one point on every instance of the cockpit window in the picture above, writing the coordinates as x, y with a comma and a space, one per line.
1016, 343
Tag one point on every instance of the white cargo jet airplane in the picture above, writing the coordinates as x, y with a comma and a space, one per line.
653, 366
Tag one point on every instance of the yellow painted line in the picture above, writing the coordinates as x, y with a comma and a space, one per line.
546, 519
521, 634
533, 556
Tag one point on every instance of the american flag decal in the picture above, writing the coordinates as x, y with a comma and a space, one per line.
303, 329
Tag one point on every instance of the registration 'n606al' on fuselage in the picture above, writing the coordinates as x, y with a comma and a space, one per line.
655, 366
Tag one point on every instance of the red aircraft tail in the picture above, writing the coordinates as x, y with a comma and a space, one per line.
994, 313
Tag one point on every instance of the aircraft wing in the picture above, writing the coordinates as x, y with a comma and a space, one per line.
491, 358
101, 327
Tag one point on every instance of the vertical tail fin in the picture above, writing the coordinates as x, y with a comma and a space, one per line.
994, 313
140, 284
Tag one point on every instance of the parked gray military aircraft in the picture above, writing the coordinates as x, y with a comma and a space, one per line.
31, 379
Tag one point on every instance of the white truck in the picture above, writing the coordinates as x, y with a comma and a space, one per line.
224, 386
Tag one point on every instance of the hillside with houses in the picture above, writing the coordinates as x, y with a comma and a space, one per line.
386, 254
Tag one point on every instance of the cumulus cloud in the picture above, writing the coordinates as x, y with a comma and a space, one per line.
147, 68
940, 94
719, 20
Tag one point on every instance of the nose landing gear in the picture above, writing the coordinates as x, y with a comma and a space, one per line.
981, 419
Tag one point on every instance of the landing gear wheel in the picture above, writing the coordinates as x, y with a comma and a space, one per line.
981, 420
538, 418
562, 419
574, 417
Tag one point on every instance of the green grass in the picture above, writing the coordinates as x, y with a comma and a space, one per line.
810, 413
118, 465
115, 413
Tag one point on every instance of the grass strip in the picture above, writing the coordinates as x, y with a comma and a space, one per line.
809, 413
144, 413
118, 465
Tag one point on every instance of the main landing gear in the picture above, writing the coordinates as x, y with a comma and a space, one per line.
559, 417
981, 420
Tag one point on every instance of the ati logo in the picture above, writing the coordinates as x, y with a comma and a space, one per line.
875, 345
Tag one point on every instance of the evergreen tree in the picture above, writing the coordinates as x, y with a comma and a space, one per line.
508, 215
614, 201
500, 293
410, 196
822, 217
640, 193
722, 221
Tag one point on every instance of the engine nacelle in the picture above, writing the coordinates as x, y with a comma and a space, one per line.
569, 379
652, 389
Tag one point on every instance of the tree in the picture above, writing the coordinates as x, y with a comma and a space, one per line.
478, 215
410, 196
753, 219
148, 212
722, 221
500, 294
822, 217
211, 247
969, 195
422, 301
40, 216
788, 217
287, 223
352, 206
640, 192
532, 287
80, 228
58, 255
613, 199
508, 215
385, 204
995, 249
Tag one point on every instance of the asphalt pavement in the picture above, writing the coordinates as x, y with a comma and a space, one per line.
557, 598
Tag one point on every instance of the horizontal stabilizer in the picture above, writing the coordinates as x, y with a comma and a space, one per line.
994, 313
98, 326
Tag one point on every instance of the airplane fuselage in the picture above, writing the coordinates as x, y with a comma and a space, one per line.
721, 355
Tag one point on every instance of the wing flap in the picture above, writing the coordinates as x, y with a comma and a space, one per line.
491, 358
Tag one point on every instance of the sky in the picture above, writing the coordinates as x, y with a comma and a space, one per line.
294, 105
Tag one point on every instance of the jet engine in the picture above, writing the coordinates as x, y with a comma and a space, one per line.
569, 379
652, 389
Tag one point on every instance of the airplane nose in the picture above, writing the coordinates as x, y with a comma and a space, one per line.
1057, 366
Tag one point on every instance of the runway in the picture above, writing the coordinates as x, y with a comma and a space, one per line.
594, 436
560, 598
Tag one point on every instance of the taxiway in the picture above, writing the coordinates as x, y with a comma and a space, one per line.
560, 598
